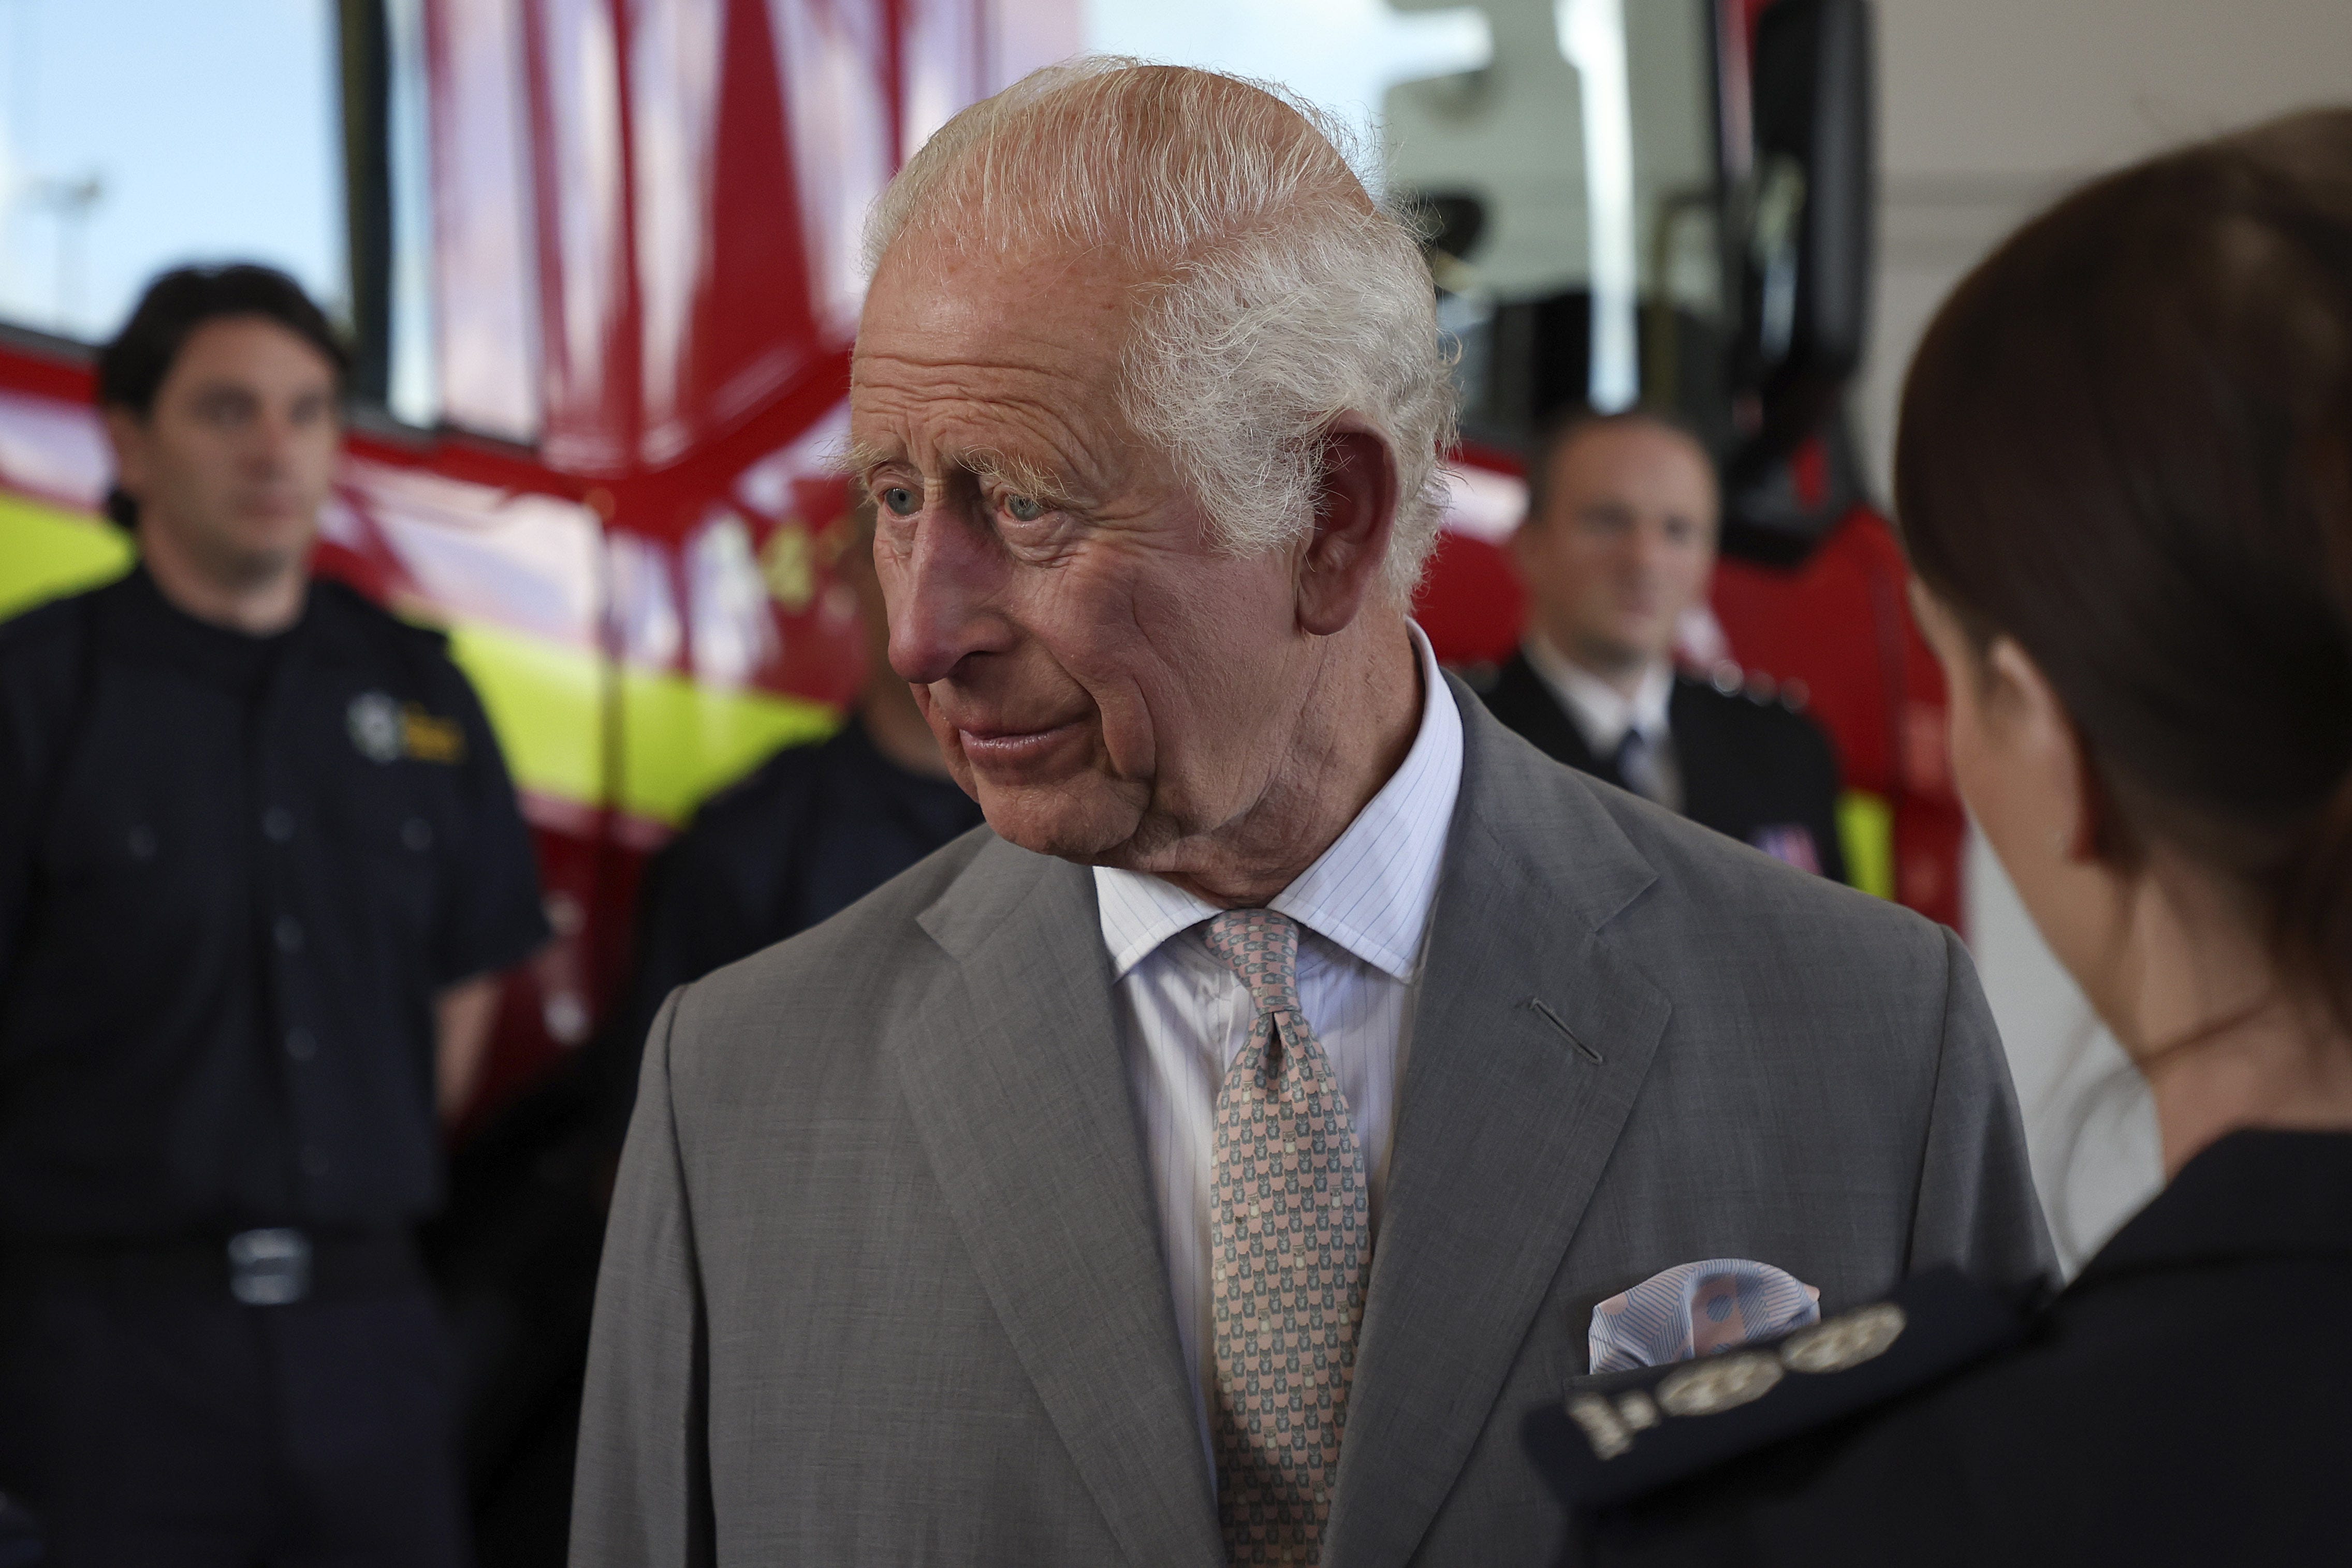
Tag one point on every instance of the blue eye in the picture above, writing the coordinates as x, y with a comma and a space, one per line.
900, 499
1026, 508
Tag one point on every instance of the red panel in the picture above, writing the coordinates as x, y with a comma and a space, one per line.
1471, 603
648, 247
580, 170
722, 279
1841, 624
485, 261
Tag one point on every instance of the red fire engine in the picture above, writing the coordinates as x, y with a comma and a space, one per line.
644, 278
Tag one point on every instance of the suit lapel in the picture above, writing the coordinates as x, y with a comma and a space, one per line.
1521, 700
1019, 1093
1531, 1037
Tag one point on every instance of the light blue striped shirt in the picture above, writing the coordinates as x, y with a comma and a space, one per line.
1363, 909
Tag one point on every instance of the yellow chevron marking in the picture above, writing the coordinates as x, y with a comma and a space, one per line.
547, 701
1866, 825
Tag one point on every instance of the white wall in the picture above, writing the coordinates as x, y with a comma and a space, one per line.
1987, 110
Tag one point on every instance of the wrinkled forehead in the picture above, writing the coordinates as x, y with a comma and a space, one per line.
1637, 460
990, 349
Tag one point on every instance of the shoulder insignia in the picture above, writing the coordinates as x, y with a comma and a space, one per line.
1618, 1436
385, 730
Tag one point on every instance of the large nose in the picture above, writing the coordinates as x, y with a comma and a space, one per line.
1648, 551
940, 578
276, 434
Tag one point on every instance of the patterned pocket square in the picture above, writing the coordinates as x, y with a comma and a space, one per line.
1698, 1309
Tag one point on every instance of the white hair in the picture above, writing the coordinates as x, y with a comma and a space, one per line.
1277, 295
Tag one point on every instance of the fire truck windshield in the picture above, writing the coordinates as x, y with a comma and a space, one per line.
1564, 152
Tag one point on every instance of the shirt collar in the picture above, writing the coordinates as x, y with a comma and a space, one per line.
1369, 892
1602, 712
148, 625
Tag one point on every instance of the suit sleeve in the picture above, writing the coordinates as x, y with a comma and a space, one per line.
1976, 1206
641, 1494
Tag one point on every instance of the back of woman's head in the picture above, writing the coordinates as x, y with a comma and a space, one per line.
2126, 445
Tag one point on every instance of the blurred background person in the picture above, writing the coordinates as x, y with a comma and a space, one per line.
2124, 474
258, 859
810, 833
813, 829
1618, 546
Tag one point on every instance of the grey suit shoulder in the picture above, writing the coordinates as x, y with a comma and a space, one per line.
795, 986
883, 1280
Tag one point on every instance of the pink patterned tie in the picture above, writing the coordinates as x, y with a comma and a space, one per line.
1290, 1251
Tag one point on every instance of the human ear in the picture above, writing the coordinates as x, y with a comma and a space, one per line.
127, 434
2042, 740
1356, 498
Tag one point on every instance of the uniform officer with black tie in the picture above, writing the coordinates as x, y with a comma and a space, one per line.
1619, 542
259, 860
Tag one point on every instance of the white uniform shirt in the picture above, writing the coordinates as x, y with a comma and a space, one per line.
1363, 912
1602, 713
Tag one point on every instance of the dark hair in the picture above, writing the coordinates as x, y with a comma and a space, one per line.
132, 368
1563, 425
2126, 443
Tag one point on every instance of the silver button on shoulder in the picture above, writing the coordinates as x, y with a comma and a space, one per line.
269, 1268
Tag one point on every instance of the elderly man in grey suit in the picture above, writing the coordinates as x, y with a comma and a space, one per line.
1217, 1156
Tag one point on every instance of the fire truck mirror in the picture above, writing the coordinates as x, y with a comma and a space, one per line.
1810, 214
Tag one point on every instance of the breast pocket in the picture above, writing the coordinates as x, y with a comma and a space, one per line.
391, 833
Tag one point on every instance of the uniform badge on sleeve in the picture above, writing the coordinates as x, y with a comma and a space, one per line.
1791, 843
385, 730
1620, 1436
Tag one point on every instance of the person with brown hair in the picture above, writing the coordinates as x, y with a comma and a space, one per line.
2125, 474
1619, 545
261, 864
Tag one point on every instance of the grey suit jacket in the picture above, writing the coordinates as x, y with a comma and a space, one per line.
882, 1283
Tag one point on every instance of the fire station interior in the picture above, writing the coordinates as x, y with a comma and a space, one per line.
596, 268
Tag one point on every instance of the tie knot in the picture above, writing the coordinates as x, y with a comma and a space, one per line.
1261, 947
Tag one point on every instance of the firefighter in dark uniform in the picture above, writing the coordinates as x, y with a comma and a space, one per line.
807, 834
2126, 484
258, 859
1619, 542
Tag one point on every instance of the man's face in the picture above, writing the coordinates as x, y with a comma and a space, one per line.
1626, 544
1101, 677
236, 457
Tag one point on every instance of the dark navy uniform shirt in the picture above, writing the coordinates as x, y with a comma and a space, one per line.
805, 835
801, 838
2186, 1399
233, 872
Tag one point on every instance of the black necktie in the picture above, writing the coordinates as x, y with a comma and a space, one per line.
1636, 762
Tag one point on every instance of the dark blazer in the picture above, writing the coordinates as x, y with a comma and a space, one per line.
884, 1281
2182, 1401
1751, 768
